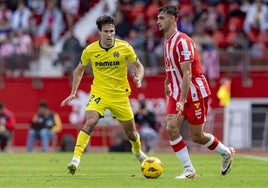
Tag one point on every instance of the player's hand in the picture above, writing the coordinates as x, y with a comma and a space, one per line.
180, 108
137, 81
67, 100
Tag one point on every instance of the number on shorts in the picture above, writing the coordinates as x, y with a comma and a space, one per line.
96, 99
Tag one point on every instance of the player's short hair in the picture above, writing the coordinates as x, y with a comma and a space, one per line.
103, 20
42, 104
169, 9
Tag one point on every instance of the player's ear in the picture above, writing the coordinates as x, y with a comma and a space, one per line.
172, 18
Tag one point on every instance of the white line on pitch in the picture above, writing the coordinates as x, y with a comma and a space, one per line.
256, 157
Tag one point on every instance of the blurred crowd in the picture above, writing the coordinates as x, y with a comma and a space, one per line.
25, 25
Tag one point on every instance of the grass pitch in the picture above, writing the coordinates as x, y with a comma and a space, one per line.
122, 170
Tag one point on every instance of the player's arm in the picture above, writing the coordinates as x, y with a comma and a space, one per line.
77, 76
186, 80
167, 87
139, 73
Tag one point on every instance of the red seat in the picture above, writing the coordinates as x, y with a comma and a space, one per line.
219, 38
230, 38
235, 24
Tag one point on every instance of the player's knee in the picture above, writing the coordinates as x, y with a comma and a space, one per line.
171, 130
90, 124
197, 138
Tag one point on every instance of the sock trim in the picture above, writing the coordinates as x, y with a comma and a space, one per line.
82, 130
179, 144
210, 141
214, 144
176, 141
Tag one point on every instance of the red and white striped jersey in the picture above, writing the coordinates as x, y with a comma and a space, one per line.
7, 49
24, 44
180, 48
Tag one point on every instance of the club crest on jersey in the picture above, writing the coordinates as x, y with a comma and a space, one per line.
197, 105
116, 54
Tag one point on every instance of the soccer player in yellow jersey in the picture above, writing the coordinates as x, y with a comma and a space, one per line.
110, 88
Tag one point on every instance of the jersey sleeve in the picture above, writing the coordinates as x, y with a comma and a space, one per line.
185, 50
85, 57
131, 56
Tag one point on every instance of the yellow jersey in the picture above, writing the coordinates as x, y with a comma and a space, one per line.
109, 65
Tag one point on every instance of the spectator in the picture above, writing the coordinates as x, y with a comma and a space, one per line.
8, 63
199, 12
5, 18
139, 24
24, 50
21, 17
122, 25
150, 45
239, 51
71, 52
70, 9
137, 41
245, 5
258, 49
146, 121
52, 22
186, 23
211, 63
215, 18
256, 17
38, 8
7, 125
240, 42
45, 125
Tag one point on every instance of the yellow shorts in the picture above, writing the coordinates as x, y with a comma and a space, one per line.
119, 105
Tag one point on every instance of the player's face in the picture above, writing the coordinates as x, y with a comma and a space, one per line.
107, 33
163, 21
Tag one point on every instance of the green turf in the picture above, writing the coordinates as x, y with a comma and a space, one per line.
122, 170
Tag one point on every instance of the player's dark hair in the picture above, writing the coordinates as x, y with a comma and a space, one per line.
103, 20
169, 9
43, 104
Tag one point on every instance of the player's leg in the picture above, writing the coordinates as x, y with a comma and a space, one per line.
212, 143
121, 109
179, 147
92, 118
134, 138
196, 127
94, 111
177, 143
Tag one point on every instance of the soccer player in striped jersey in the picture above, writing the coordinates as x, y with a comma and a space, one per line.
188, 94
110, 89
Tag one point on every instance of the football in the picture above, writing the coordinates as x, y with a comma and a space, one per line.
152, 167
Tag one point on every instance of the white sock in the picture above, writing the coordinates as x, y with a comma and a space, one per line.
181, 152
222, 149
216, 145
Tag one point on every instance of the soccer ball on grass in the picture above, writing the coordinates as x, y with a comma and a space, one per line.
152, 167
